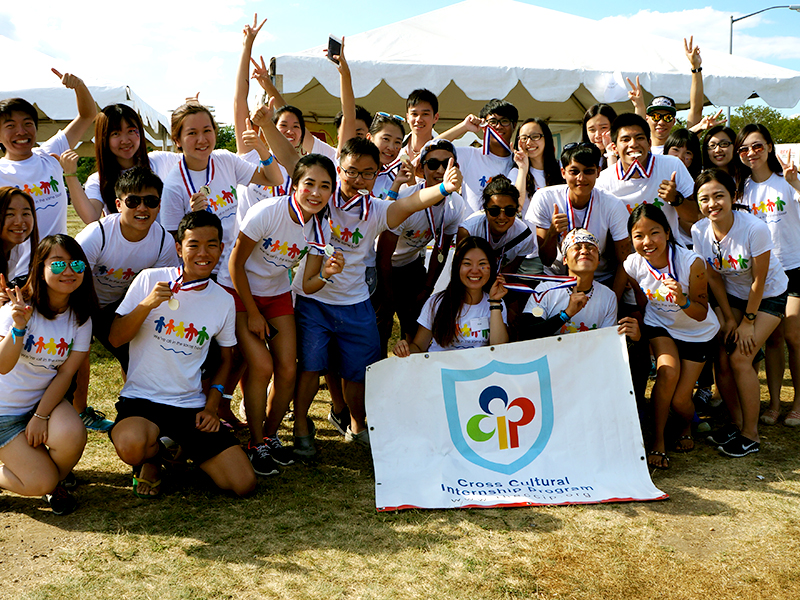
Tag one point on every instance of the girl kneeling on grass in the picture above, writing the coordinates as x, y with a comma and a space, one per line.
677, 321
55, 304
276, 234
749, 284
470, 312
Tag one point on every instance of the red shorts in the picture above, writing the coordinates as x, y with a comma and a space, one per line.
269, 306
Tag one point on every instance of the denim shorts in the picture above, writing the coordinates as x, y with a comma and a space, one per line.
775, 306
12, 425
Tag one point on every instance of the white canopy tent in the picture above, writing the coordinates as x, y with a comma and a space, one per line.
29, 76
457, 53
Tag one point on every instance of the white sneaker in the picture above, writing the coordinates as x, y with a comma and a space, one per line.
361, 438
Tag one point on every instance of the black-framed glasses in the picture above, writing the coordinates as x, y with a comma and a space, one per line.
724, 144
666, 117
494, 211
755, 147
504, 122
434, 164
59, 266
150, 201
534, 137
365, 175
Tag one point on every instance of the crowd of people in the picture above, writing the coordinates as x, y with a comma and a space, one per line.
289, 260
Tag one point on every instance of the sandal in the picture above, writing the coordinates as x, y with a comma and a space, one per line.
681, 448
770, 416
664, 458
154, 485
792, 419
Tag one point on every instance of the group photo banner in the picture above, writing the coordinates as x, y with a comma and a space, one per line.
549, 421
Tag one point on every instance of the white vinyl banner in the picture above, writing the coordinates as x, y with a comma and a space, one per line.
549, 421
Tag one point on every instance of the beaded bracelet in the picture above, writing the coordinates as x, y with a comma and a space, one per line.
38, 416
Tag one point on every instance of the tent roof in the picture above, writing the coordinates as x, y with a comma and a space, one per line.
451, 53
30, 77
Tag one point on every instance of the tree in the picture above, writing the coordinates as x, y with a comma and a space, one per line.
784, 130
226, 138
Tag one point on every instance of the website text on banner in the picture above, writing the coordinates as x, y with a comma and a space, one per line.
549, 421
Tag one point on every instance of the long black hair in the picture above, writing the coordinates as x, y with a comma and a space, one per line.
452, 299
772, 158
552, 170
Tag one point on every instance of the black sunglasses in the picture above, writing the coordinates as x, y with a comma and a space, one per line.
434, 164
494, 211
150, 201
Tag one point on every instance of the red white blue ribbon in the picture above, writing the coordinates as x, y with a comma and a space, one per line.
180, 286
361, 200
187, 176
316, 226
644, 171
392, 166
489, 134
563, 280
671, 270
571, 213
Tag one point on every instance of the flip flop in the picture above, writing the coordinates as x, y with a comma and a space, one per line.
678, 448
154, 485
663, 456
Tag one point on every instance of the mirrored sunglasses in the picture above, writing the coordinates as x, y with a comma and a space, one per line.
59, 266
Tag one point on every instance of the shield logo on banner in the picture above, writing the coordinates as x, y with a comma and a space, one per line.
500, 416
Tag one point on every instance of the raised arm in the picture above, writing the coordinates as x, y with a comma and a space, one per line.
696, 97
403, 208
348, 128
636, 96
86, 107
88, 210
280, 146
241, 112
470, 123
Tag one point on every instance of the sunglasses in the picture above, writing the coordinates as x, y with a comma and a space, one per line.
667, 118
756, 148
494, 211
386, 115
572, 145
59, 266
723, 144
434, 164
150, 201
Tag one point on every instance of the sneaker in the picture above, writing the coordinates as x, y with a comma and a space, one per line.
723, 435
361, 438
702, 400
263, 463
280, 454
739, 446
70, 482
95, 420
61, 501
340, 420
304, 444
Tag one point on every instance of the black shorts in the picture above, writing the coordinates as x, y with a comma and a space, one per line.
698, 352
101, 326
794, 282
178, 423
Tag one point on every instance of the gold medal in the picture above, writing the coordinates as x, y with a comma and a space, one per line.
173, 303
537, 311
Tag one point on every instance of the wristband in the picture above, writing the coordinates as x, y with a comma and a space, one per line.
697, 70
325, 279
268, 162
219, 387
392, 194
38, 416
685, 306
496, 307
564, 316
443, 191
17, 332
70, 174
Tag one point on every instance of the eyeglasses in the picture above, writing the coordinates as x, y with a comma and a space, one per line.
58, 266
434, 164
500, 122
150, 201
724, 144
531, 138
365, 175
755, 147
667, 118
386, 115
494, 211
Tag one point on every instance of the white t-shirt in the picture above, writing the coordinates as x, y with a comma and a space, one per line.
732, 257
661, 310
252, 194
775, 202
226, 170
168, 350
161, 163
603, 215
633, 192
476, 224
280, 245
115, 261
538, 181
477, 171
356, 239
414, 234
600, 311
384, 181
657, 150
46, 346
42, 177
321, 147
472, 324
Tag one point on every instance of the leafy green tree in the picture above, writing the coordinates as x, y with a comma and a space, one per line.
226, 138
784, 130
86, 166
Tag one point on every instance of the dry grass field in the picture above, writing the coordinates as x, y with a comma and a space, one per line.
729, 530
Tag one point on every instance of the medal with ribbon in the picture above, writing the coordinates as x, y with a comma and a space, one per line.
660, 277
183, 286
636, 167
392, 166
361, 199
562, 280
489, 134
318, 241
571, 214
189, 184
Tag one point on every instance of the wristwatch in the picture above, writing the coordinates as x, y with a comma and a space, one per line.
678, 199
750, 316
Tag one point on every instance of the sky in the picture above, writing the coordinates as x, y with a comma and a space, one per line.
166, 51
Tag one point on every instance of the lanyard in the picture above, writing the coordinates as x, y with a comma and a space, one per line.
187, 177
319, 239
361, 198
490, 133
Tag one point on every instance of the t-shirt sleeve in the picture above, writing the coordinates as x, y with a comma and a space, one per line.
617, 220
760, 238
174, 204
428, 312
244, 170
90, 239
163, 162
629, 265
684, 180
56, 144
5, 320
540, 211
256, 221
227, 334
83, 337
92, 188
